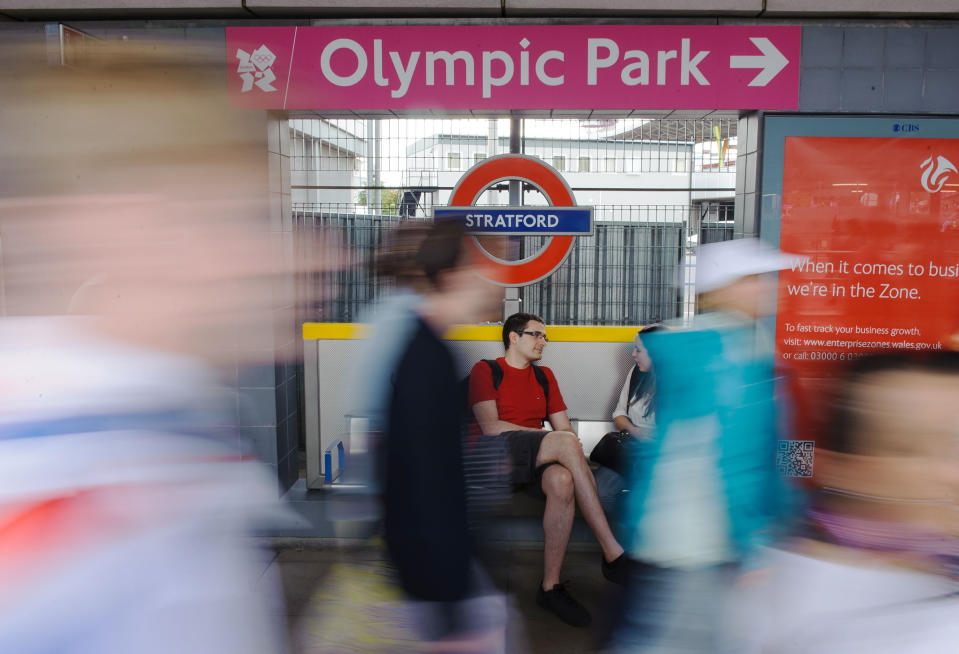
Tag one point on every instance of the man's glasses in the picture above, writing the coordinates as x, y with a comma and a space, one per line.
536, 335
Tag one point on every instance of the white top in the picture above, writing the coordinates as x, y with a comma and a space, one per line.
150, 548
798, 603
637, 410
685, 522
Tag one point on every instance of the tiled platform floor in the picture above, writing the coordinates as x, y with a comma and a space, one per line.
340, 600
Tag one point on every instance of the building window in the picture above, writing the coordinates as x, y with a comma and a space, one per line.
453, 160
610, 164
559, 162
718, 212
584, 164
478, 157
726, 212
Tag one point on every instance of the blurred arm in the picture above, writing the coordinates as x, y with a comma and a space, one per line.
560, 421
620, 419
625, 424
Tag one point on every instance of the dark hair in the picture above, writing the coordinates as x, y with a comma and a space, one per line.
441, 248
517, 323
649, 329
396, 258
643, 382
846, 431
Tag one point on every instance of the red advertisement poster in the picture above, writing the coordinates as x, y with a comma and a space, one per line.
878, 219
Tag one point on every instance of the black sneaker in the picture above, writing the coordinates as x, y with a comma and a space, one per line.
617, 570
561, 603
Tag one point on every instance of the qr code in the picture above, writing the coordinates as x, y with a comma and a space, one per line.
795, 458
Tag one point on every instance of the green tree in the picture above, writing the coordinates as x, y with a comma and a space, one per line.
389, 199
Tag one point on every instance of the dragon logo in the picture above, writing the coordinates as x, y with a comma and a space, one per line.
256, 68
935, 173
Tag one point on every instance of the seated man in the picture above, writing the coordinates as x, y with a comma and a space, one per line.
552, 461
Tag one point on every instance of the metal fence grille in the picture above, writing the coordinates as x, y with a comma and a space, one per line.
351, 285
659, 188
624, 274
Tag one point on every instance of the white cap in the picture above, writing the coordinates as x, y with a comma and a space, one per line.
721, 264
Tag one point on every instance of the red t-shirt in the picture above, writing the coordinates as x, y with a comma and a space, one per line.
519, 398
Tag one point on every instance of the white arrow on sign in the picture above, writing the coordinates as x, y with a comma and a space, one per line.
771, 61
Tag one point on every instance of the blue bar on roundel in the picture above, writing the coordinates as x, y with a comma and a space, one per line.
549, 221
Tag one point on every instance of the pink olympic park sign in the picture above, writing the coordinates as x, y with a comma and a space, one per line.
491, 67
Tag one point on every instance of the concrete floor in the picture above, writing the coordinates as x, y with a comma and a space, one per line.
341, 599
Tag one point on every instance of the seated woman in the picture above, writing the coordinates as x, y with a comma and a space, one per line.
636, 409
634, 415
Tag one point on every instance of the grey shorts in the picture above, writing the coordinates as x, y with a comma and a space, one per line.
523, 450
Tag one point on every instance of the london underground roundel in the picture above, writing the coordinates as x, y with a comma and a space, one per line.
561, 220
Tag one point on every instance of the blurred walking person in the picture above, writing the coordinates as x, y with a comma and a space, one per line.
425, 506
704, 493
132, 197
875, 566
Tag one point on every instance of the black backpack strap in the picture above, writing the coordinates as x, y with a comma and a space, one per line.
543, 381
496, 371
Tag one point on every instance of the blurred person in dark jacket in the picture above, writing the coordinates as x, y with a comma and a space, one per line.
425, 503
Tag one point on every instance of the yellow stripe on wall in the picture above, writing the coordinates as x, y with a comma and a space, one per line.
577, 334
332, 331
474, 333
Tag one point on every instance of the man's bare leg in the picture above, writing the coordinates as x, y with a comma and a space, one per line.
564, 448
557, 521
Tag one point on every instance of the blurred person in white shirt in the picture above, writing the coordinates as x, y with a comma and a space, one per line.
132, 194
875, 568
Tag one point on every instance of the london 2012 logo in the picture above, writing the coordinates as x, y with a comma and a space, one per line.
256, 68
935, 173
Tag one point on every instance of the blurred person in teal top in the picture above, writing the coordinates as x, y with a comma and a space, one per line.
705, 491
